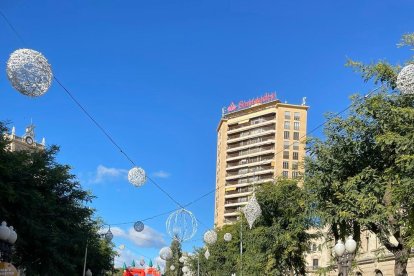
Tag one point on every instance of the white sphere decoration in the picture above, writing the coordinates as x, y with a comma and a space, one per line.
29, 72
339, 248
166, 253
172, 267
210, 237
405, 80
228, 237
137, 176
185, 269
182, 259
4, 231
181, 225
13, 236
350, 244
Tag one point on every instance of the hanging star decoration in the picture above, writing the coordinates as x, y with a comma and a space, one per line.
207, 254
252, 211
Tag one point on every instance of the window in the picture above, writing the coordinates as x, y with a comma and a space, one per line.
286, 135
296, 156
296, 125
296, 116
315, 263
286, 145
314, 247
295, 165
287, 124
285, 164
295, 145
285, 173
295, 174
285, 154
296, 136
287, 115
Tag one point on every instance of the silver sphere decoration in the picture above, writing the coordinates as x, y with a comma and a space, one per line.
405, 80
207, 254
185, 269
181, 225
182, 259
252, 211
139, 226
137, 176
166, 253
29, 72
210, 237
228, 237
172, 267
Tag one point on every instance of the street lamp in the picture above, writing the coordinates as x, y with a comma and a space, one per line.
345, 255
7, 239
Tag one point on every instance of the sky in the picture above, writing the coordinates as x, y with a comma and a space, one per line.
155, 74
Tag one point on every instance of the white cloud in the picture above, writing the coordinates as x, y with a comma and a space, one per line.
161, 174
105, 174
127, 256
147, 238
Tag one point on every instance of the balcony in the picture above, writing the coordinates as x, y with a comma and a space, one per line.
240, 175
238, 184
256, 144
249, 162
250, 154
250, 134
252, 125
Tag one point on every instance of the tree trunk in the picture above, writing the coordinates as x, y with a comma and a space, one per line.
401, 259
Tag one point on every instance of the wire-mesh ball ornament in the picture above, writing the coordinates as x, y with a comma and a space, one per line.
137, 176
181, 225
405, 80
228, 237
172, 267
29, 72
207, 254
210, 237
252, 211
166, 253
139, 226
108, 235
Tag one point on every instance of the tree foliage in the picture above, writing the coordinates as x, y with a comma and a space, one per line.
274, 246
361, 176
45, 203
175, 260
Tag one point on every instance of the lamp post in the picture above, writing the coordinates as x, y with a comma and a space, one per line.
108, 236
345, 254
7, 239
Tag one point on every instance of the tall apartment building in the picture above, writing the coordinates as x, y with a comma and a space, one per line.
258, 140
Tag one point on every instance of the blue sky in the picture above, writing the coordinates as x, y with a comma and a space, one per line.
156, 74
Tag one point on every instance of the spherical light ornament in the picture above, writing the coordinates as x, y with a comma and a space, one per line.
405, 80
166, 253
181, 225
172, 267
350, 244
182, 259
137, 176
207, 254
228, 237
139, 226
13, 236
29, 72
4, 231
185, 269
210, 237
252, 211
339, 248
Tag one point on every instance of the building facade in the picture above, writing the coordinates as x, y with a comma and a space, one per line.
258, 140
26, 142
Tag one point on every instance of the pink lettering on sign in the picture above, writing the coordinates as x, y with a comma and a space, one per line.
268, 97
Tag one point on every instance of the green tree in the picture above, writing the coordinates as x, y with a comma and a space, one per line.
361, 176
274, 246
45, 203
177, 253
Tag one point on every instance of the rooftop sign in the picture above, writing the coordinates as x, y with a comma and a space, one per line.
268, 97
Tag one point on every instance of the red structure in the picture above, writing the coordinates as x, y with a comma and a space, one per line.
133, 271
